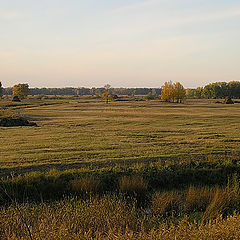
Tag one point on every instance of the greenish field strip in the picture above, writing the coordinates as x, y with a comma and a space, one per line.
81, 131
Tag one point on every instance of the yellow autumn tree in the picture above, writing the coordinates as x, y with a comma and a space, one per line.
167, 92
173, 91
21, 90
106, 94
179, 92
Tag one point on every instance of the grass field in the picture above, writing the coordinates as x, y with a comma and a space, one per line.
131, 170
82, 132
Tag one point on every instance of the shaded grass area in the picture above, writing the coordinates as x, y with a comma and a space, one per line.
131, 203
54, 185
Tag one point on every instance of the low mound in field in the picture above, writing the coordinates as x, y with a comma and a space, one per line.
15, 121
228, 100
16, 99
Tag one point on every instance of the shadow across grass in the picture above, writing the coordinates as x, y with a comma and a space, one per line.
55, 185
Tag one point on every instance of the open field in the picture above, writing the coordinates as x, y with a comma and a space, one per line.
132, 170
83, 132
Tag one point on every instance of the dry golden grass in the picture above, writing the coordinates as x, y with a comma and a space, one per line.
68, 219
209, 202
167, 203
106, 218
197, 199
132, 185
88, 184
225, 201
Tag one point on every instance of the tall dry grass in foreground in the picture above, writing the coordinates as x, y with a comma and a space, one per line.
107, 218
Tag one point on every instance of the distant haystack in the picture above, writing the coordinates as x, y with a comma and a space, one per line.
15, 122
228, 100
16, 99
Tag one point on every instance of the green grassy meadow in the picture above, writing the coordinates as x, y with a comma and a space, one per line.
72, 133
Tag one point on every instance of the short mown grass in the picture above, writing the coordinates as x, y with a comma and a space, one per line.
75, 133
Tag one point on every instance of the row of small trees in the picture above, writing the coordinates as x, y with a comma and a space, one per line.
170, 92
216, 90
71, 91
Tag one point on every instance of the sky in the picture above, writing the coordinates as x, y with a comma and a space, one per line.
124, 43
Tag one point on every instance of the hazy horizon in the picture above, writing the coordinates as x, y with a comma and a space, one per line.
120, 86
127, 43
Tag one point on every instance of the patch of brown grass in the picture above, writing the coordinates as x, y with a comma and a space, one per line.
132, 185
224, 202
88, 184
105, 218
197, 199
166, 203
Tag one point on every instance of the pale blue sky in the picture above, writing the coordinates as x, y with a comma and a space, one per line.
126, 43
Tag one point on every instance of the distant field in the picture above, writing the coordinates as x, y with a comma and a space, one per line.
81, 132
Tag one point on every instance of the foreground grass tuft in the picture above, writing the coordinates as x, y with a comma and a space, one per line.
106, 218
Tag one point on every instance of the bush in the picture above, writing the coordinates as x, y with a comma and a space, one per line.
13, 122
16, 99
149, 96
88, 184
41, 97
228, 100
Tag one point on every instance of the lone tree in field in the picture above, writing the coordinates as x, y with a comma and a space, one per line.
173, 91
106, 94
1, 90
21, 90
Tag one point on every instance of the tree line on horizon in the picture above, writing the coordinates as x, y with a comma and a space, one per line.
168, 92
216, 90
86, 91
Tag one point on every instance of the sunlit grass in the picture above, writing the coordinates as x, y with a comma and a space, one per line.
108, 217
80, 131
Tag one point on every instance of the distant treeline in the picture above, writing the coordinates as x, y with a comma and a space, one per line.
210, 91
88, 91
216, 90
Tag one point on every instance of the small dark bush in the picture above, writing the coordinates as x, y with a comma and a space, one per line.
228, 100
16, 99
15, 121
